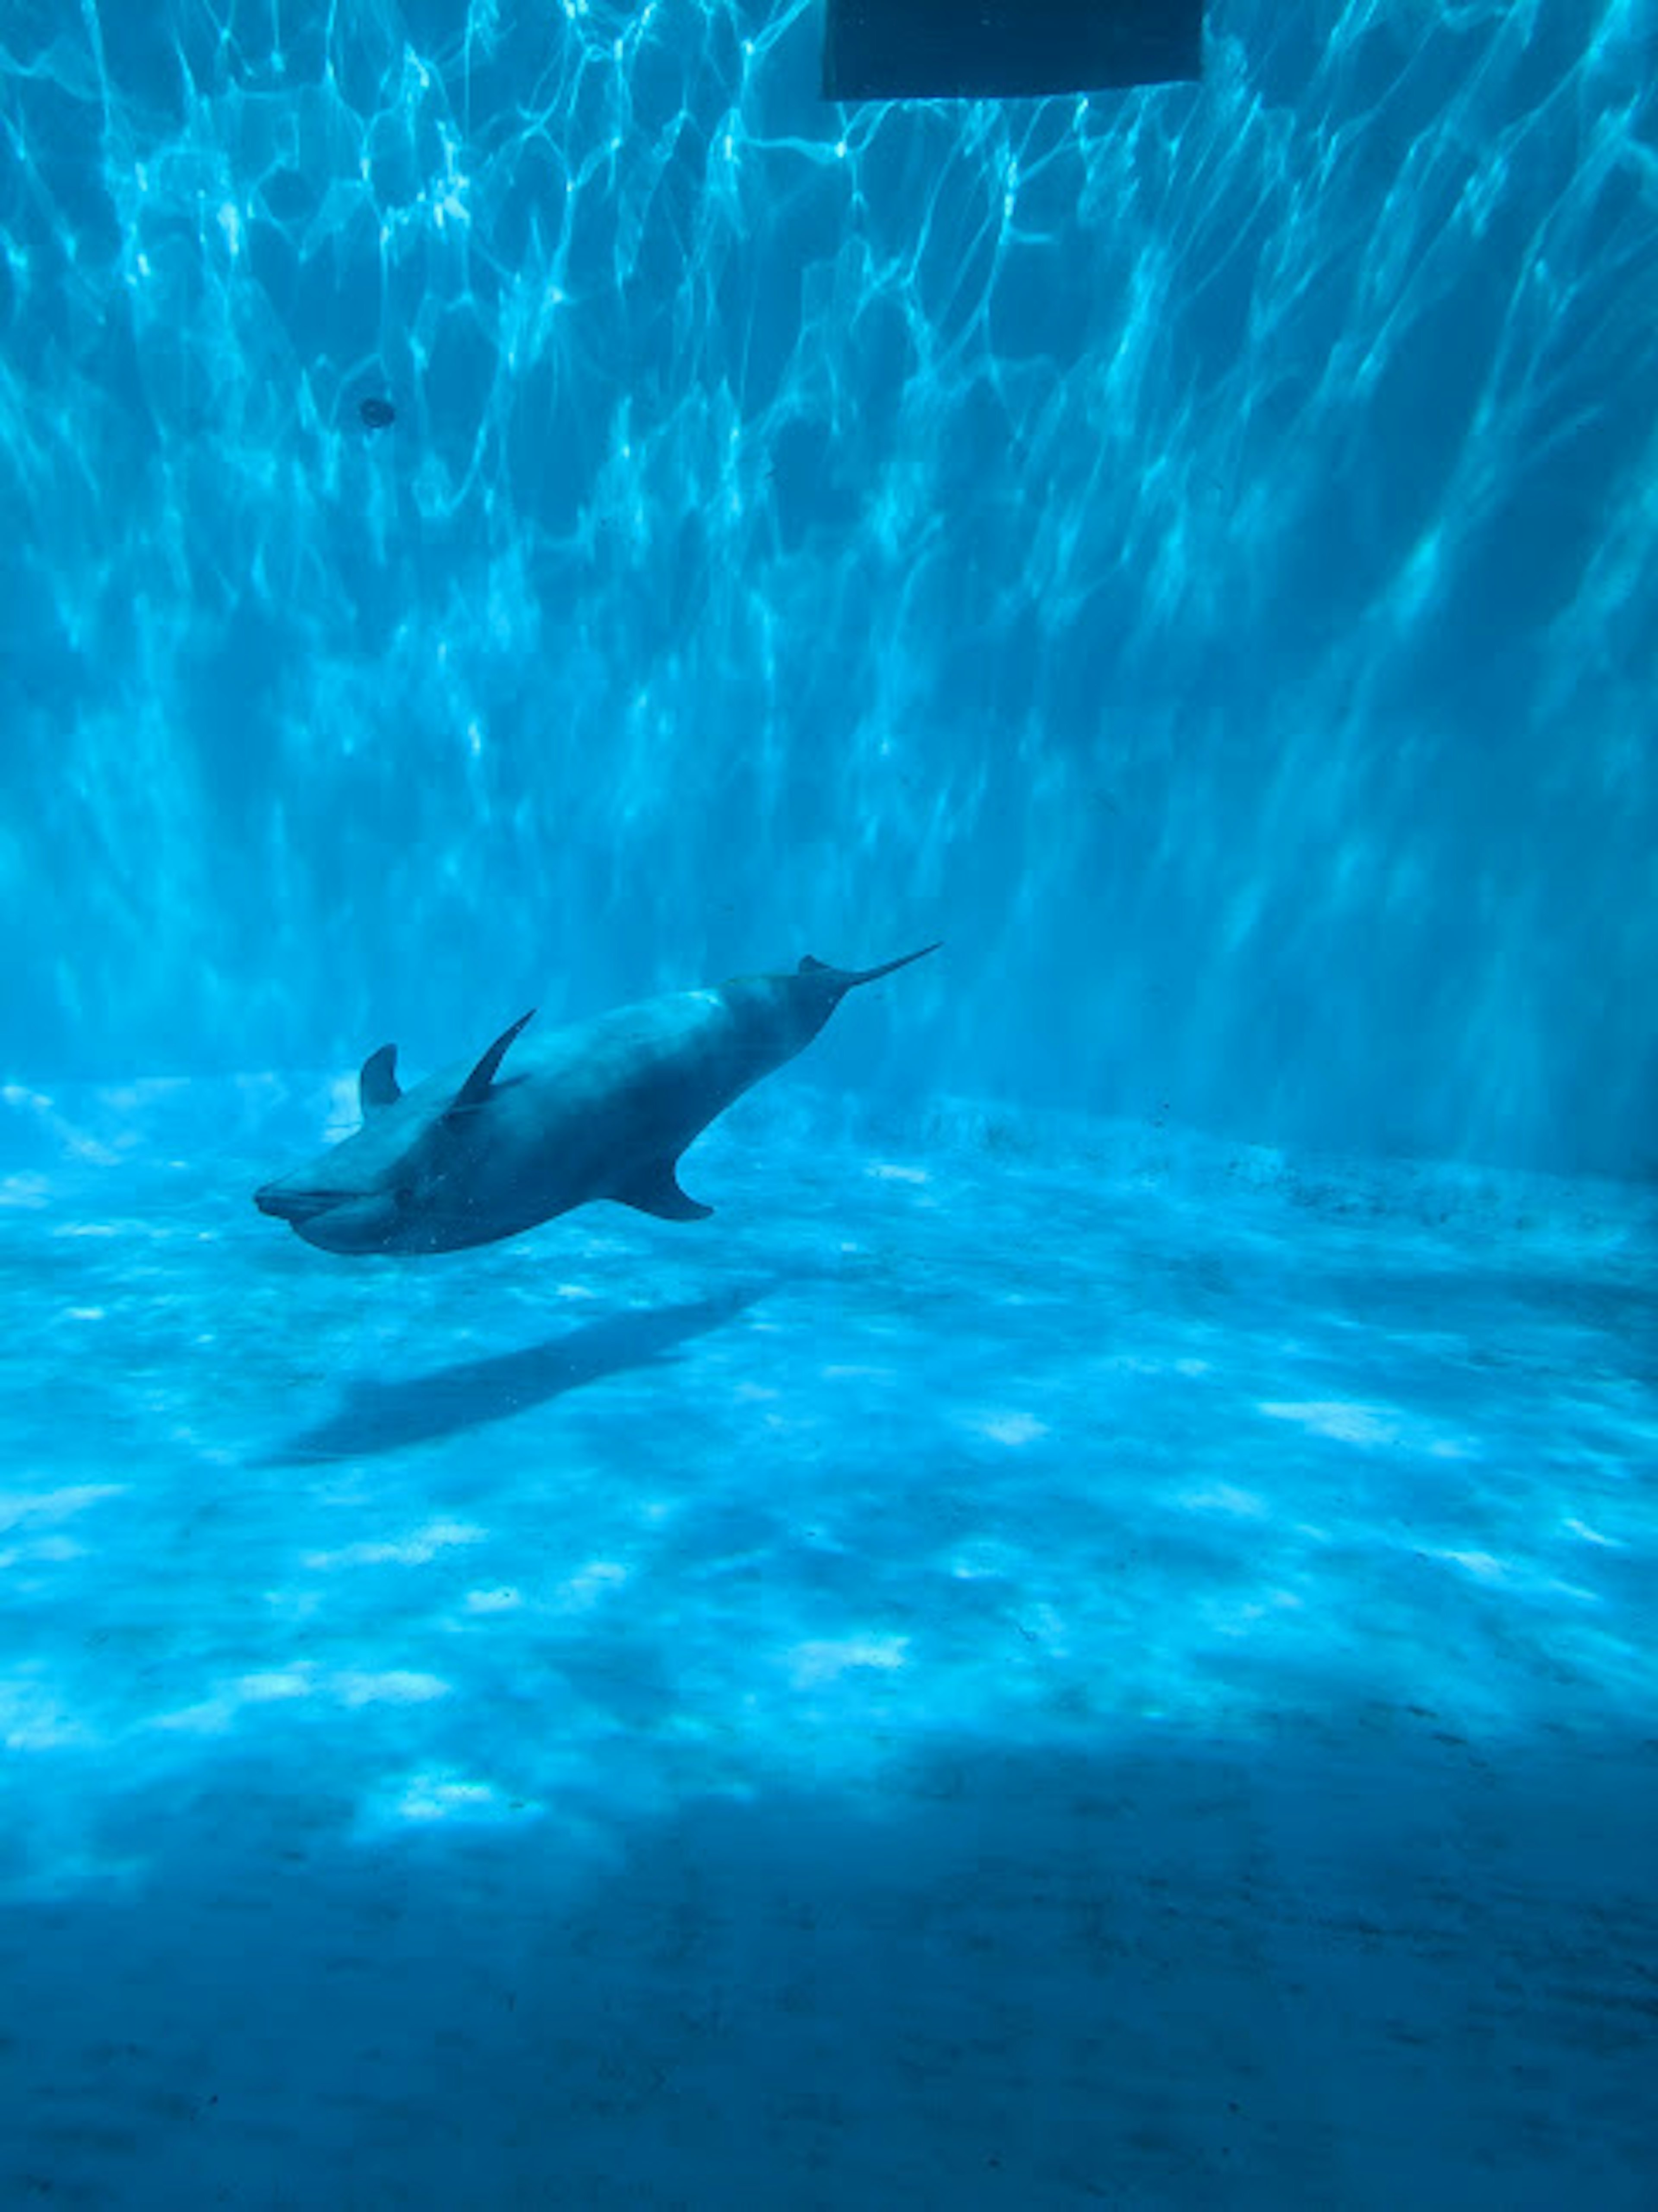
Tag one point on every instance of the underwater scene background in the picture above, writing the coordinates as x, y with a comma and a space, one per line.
1200, 540
1088, 1639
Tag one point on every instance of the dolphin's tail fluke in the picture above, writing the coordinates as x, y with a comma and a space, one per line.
849, 978
890, 966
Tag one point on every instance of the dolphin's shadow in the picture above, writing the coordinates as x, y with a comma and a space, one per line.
387, 1417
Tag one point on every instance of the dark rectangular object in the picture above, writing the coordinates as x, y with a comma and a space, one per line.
1005, 49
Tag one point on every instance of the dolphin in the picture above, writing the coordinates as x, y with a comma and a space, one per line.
602, 1110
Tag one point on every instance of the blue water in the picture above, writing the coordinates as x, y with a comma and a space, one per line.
1088, 1639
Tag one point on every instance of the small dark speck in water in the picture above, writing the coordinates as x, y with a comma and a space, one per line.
377, 413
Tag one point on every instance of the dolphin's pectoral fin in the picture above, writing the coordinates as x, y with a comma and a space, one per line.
657, 1191
476, 1089
378, 1086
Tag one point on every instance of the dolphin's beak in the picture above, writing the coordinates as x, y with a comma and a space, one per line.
288, 1204
334, 1220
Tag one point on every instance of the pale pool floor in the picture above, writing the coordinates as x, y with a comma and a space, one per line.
975, 1677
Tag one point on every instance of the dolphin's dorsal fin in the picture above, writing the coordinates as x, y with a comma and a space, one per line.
656, 1190
378, 1086
476, 1089
810, 967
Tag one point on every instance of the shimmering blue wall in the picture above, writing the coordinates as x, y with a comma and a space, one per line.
1196, 551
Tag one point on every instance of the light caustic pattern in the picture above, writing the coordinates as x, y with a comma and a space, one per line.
915, 1461
1212, 525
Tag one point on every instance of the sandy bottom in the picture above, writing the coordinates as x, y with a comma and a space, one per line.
994, 1672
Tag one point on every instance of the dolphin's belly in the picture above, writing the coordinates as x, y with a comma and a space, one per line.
584, 1116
